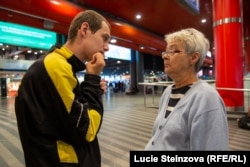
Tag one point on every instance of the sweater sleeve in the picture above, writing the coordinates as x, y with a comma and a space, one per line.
209, 129
89, 119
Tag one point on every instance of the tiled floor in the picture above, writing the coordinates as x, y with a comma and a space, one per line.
127, 126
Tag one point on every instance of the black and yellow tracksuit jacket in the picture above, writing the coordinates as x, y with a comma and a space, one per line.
58, 118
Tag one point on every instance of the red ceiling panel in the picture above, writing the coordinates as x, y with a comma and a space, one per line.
54, 10
60, 13
159, 17
30, 21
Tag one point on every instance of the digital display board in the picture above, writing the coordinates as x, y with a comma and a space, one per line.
15, 34
118, 52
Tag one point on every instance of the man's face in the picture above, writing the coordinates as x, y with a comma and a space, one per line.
97, 42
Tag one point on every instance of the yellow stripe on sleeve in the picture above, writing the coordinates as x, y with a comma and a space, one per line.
95, 120
66, 152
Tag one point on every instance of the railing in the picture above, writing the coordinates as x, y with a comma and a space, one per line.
246, 95
246, 91
152, 84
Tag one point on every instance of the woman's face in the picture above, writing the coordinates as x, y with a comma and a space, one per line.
176, 60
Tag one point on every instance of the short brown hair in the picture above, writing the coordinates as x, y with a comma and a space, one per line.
93, 18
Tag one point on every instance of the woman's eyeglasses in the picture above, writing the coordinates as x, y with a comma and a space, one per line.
170, 53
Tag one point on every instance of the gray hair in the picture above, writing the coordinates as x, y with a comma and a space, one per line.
194, 41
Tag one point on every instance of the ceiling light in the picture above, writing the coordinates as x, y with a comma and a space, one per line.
15, 57
209, 54
113, 40
55, 2
138, 16
118, 24
203, 20
141, 47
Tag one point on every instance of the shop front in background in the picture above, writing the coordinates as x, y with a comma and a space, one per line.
9, 86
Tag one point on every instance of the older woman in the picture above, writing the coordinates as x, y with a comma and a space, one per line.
191, 114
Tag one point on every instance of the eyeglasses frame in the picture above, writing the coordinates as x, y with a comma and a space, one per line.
170, 53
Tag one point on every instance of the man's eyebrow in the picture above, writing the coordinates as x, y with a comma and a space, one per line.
106, 37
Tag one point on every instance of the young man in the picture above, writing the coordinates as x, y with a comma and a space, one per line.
58, 118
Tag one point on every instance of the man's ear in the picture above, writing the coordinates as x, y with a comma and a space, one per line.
84, 28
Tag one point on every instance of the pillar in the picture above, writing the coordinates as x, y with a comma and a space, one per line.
132, 69
3, 84
228, 42
140, 69
246, 51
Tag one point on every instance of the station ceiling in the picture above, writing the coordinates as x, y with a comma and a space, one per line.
158, 17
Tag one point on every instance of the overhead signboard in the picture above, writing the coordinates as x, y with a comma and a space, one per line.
192, 6
15, 34
118, 52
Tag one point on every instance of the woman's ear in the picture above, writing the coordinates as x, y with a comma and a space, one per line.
195, 57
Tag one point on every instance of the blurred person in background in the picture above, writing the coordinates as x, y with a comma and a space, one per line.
58, 118
191, 113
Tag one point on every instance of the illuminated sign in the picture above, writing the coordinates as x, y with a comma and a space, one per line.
15, 34
118, 52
